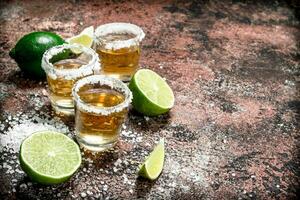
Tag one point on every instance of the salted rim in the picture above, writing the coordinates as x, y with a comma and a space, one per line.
102, 80
92, 66
119, 28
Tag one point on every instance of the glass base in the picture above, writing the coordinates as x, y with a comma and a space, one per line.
93, 146
61, 110
122, 77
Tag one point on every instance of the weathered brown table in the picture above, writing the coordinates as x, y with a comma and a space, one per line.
234, 131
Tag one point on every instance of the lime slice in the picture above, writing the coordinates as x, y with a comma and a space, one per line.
49, 157
153, 165
85, 38
151, 93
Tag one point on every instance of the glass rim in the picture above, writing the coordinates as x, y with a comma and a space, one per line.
113, 83
119, 27
92, 66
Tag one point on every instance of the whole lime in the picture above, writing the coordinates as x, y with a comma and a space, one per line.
29, 51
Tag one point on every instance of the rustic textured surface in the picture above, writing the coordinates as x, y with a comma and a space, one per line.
234, 131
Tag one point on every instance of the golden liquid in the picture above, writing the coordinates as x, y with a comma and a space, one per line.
120, 63
61, 88
96, 130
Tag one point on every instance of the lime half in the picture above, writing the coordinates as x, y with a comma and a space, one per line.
151, 93
153, 165
49, 157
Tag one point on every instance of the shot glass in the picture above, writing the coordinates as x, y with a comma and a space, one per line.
101, 106
118, 46
64, 65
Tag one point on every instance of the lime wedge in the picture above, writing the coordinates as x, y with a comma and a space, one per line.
153, 165
85, 38
88, 31
49, 157
151, 94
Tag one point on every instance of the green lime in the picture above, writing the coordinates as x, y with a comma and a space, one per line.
151, 93
49, 157
65, 54
153, 165
29, 51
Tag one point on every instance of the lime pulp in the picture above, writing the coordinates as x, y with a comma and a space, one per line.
151, 94
49, 157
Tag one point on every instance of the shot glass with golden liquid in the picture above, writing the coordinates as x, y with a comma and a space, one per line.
63, 68
101, 106
118, 46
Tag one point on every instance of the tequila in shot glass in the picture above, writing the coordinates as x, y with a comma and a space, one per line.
101, 106
64, 65
118, 46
